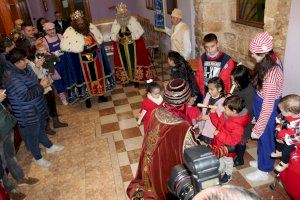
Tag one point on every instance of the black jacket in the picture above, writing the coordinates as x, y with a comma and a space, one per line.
59, 29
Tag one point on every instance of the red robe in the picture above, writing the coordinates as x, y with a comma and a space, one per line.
148, 106
142, 64
162, 149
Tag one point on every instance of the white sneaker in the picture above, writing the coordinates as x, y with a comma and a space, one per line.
54, 148
258, 176
43, 163
65, 102
253, 163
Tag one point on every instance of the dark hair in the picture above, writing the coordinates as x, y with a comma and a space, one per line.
56, 12
24, 25
39, 25
210, 37
291, 103
262, 68
180, 62
151, 86
4, 43
218, 83
241, 76
16, 55
234, 102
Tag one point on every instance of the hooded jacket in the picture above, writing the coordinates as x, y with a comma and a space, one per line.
230, 129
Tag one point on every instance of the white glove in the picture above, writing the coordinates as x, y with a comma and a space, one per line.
254, 136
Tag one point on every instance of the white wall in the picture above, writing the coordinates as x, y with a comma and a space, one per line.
292, 53
188, 12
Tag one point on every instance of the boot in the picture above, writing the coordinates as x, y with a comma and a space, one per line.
102, 99
88, 103
240, 151
57, 123
49, 131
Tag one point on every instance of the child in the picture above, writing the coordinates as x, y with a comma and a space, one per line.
182, 69
215, 97
193, 112
213, 63
49, 65
243, 88
288, 123
150, 103
229, 131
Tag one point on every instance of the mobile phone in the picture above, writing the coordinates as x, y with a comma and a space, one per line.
3, 92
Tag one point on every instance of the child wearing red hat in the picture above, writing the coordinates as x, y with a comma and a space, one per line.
268, 83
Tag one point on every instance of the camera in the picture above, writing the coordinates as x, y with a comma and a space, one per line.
199, 171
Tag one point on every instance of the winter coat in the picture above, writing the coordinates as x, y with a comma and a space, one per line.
25, 95
230, 129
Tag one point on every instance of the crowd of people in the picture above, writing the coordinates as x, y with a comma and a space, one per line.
221, 105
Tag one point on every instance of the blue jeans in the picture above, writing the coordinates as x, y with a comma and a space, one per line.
8, 160
34, 134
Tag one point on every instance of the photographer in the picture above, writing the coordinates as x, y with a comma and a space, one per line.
167, 135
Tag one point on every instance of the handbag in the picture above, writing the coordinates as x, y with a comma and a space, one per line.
7, 121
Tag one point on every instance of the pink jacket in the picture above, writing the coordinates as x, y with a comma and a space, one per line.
206, 127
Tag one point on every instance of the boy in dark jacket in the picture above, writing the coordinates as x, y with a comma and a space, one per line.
229, 131
26, 96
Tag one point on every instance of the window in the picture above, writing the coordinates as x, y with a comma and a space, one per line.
251, 12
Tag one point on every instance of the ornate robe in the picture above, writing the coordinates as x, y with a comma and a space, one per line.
166, 138
132, 62
95, 67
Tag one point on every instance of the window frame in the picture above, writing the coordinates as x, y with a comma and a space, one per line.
246, 22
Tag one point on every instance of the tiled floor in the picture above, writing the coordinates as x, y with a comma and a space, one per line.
102, 147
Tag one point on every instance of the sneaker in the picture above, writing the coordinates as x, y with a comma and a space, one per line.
43, 163
65, 102
258, 176
225, 179
253, 163
16, 195
54, 148
28, 181
276, 154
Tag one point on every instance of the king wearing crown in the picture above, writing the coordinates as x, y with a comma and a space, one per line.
132, 63
84, 41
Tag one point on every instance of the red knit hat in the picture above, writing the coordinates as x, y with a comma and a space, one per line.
261, 43
177, 92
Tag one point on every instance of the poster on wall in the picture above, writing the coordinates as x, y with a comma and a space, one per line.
159, 15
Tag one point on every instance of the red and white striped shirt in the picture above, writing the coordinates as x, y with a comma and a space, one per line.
271, 90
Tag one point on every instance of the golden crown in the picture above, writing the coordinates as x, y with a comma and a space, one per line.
121, 8
77, 14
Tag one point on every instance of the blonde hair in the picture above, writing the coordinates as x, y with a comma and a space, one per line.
291, 103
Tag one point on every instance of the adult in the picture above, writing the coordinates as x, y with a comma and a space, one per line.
167, 135
18, 26
240, 78
26, 96
85, 40
268, 83
132, 62
8, 154
40, 26
226, 192
182, 69
6, 45
67, 83
180, 35
60, 24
